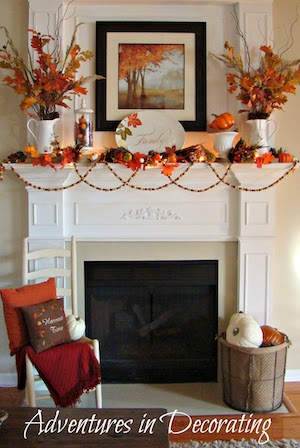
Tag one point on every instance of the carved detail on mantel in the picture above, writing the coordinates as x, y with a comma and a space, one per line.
151, 214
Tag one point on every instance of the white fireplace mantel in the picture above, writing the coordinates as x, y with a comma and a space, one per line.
143, 211
169, 214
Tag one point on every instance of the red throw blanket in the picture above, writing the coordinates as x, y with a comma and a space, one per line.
68, 370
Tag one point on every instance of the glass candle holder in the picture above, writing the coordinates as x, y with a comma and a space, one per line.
83, 128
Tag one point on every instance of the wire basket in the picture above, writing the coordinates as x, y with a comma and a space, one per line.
253, 378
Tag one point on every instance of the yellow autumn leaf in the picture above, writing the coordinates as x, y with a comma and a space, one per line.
27, 103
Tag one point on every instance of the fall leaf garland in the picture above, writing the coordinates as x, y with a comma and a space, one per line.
168, 160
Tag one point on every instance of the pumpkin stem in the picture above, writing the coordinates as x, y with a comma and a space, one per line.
236, 331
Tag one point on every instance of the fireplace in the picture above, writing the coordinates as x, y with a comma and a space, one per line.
156, 320
162, 220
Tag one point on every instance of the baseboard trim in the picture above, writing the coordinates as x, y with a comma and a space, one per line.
292, 375
11, 380
8, 380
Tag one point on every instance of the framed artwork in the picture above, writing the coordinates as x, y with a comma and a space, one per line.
151, 66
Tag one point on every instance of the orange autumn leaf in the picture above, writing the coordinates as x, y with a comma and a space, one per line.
266, 49
27, 103
68, 156
167, 170
232, 89
289, 89
259, 162
267, 158
137, 161
20, 89
80, 90
229, 49
74, 51
9, 80
264, 159
36, 162
230, 78
133, 120
38, 41
44, 160
156, 158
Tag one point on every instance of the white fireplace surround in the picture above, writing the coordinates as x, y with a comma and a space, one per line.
221, 214
172, 214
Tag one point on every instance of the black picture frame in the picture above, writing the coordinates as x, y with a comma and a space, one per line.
195, 31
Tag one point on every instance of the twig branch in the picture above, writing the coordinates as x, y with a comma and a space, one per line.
287, 46
241, 35
59, 24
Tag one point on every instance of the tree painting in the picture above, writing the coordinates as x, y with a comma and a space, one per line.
151, 76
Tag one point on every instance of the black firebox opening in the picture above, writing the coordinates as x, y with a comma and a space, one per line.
156, 320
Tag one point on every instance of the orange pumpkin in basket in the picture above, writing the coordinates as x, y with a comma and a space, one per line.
271, 336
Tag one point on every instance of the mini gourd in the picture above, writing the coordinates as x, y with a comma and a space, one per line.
285, 158
244, 331
76, 327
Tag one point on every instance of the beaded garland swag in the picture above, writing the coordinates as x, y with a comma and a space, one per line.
172, 181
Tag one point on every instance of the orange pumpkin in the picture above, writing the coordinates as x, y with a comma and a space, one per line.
285, 158
29, 149
222, 122
271, 336
32, 151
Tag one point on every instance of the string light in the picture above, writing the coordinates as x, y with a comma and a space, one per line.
127, 183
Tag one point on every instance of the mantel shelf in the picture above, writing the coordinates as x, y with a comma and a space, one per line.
247, 174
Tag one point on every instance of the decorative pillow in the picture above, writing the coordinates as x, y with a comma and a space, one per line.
13, 300
46, 324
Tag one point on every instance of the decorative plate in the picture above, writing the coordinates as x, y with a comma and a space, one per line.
149, 131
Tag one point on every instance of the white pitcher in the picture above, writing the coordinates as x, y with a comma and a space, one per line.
259, 133
44, 134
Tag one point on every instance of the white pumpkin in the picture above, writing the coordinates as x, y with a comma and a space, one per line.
76, 327
244, 331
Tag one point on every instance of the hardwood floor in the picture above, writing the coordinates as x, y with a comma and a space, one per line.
277, 426
292, 392
11, 396
281, 425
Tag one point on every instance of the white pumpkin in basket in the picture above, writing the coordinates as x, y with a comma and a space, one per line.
76, 327
244, 331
